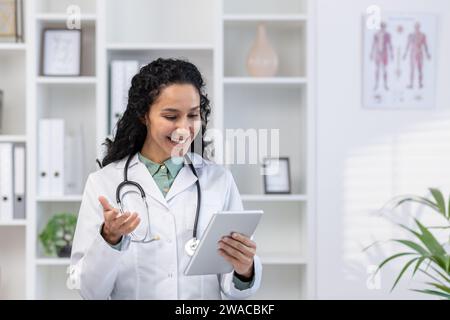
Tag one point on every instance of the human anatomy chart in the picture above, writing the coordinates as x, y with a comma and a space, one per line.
400, 62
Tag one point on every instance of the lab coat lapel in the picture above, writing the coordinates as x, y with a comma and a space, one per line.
184, 179
139, 173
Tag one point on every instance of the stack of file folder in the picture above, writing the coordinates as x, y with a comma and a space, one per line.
12, 181
122, 72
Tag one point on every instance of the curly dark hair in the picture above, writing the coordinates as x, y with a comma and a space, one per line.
145, 89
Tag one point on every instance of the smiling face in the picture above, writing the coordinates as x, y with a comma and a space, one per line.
173, 121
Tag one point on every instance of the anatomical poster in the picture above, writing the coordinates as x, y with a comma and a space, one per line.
399, 64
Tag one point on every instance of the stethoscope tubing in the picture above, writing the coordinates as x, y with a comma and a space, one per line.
126, 182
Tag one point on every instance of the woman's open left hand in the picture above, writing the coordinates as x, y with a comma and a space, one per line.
239, 250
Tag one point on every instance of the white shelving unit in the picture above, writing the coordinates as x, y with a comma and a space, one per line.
13, 233
217, 43
285, 236
73, 99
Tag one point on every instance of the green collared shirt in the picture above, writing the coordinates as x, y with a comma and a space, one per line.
163, 174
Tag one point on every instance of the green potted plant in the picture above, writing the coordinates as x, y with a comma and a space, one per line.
426, 254
57, 236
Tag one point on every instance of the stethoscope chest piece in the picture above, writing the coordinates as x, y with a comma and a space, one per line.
191, 246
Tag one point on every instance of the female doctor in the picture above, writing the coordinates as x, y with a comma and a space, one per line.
134, 243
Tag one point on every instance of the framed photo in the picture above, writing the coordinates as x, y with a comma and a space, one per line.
399, 63
277, 175
61, 52
9, 11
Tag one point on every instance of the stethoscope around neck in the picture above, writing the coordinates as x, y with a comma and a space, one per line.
190, 245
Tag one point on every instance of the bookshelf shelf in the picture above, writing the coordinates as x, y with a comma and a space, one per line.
12, 223
62, 17
265, 17
158, 46
266, 81
52, 261
10, 138
65, 198
274, 198
13, 47
66, 80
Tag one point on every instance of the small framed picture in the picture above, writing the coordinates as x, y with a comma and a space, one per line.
277, 175
11, 20
7, 18
61, 52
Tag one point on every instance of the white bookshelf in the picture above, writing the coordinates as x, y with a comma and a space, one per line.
285, 236
74, 100
13, 233
217, 42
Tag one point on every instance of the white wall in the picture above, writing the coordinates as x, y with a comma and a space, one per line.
366, 156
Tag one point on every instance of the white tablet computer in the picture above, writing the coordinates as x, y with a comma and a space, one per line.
206, 259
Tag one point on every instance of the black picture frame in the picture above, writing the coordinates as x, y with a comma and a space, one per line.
19, 21
268, 187
45, 51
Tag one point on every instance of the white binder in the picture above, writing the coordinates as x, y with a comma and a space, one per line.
57, 157
51, 157
19, 181
74, 169
44, 155
122, 72
6, 181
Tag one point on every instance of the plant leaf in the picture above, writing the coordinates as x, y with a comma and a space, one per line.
448, 212
441, 274
435, 293
431, 276
416, 247
419, 262
440, 287
394, 257
439, 198
433, 227
397, 201
438, 252
409, 229
403, 271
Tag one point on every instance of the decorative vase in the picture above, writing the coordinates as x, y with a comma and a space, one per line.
262, 59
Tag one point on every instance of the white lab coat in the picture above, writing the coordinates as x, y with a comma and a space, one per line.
153, 270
